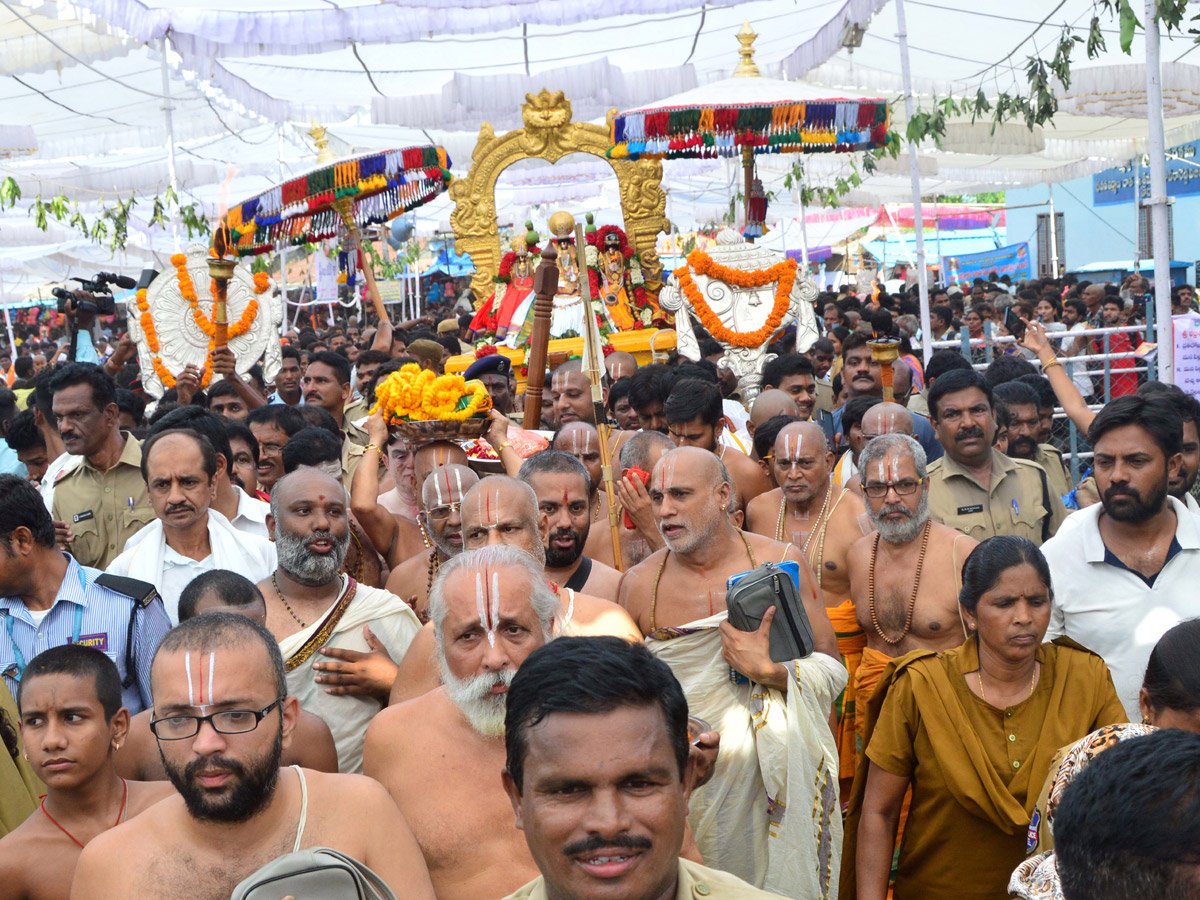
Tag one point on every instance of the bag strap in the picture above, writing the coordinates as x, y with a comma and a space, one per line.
368, 875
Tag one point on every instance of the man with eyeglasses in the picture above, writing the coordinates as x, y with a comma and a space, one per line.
882, 418
223, 717
975, 488
824, 521
903, 599
341, 638
441, 519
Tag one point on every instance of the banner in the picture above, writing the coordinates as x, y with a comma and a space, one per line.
1012, 261
1116, 185
1187, 353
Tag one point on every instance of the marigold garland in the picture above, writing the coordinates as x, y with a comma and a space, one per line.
782, 274
416, 394
262, 282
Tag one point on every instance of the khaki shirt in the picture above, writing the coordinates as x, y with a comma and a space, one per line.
1051, 460
695, 882
824, 396
919, 403
1020, 502
352, 450
356, 409
104, 509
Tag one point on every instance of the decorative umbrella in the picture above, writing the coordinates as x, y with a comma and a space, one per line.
746, 115
348, 193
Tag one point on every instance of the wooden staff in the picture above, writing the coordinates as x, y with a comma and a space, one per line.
545, 286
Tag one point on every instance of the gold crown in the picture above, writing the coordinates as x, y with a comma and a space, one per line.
562, 224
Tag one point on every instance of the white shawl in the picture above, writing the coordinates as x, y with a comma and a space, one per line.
770, 814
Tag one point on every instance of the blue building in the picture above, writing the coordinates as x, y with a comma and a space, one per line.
1101, 220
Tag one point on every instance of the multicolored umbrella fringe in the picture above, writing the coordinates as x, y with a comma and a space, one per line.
834, 126
383, 185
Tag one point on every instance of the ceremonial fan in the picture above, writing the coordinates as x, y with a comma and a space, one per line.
338, 194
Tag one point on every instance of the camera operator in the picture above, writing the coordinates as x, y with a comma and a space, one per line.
81, 308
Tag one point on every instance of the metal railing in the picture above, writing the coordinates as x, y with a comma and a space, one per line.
1076, 449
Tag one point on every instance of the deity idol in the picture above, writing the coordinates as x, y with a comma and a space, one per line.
567, 317
514, 283
617, 281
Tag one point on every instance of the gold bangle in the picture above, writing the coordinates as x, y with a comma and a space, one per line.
374, 447
1046, 367
500, 449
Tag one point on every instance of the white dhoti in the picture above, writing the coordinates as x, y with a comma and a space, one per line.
391, 620
770, 813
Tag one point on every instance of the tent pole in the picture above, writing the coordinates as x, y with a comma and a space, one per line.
1159, 201
283, 326
915, 173
168, 108
1137, 213
1053, 235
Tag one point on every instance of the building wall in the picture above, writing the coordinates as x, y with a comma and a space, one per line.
1097, 233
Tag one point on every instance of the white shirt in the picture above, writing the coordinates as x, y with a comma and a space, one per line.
177, 573
52, 471
251, 515
1078, 370
1112, 611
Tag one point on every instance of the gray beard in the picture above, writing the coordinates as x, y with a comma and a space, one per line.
305, 567
901, 532
482, 709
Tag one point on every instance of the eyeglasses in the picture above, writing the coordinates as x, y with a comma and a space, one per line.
905, 488
227, 721
442, 513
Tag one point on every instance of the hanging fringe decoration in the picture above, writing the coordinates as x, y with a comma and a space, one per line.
384, 185
756, 211
833, 126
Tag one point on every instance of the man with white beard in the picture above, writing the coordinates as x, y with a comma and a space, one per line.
339, 638
441, 754
902, 605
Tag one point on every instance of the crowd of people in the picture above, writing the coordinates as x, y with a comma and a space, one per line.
248, 620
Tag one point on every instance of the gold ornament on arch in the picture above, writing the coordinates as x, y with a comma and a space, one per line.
550, 134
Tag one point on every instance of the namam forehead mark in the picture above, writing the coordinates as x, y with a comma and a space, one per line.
558, 381
197, 680
487, 602
800, 440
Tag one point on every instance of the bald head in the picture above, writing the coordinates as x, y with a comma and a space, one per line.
305, 481
901, 378
447, 484
795, 434
770, 403
886, 418
701, 467
620, 365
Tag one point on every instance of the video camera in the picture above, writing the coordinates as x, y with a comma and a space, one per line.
94, 295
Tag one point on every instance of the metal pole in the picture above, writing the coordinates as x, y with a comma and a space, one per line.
1158, 201
915, 174
283, 326
1053, 236
1137, 216
168, 108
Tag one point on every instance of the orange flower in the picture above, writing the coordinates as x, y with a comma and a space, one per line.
782, 274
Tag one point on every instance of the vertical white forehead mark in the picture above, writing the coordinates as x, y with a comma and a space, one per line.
575, 440
881, 474
458, 482
437, 487
481, 601
495, 620
187, 665
668, 474
895, 468
212, 665
587, 440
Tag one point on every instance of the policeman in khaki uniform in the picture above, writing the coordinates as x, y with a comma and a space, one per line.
100, 501
974, 487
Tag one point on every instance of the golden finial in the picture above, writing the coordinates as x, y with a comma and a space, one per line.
324, 154
746, 67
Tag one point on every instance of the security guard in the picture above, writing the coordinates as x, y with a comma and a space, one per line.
100, 499
48, 599
1024, 424
975, 488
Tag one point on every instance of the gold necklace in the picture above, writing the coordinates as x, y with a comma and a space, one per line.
817, 526
983, 696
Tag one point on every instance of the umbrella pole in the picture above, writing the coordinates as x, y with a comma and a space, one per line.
593, 367
748, 177
345, 209
545, 286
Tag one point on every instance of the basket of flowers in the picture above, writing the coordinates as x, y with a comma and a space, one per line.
422, 406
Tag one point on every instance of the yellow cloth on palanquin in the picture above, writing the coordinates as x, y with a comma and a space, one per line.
851, 644
975, 770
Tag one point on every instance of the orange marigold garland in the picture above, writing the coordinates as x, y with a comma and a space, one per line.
782, 275
261, 283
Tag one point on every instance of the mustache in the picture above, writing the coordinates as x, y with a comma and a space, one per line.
180, 507
967, 434
564, 533
896, 508
596, 842
196, 766
1114, 489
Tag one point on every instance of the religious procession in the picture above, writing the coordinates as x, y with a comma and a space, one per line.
685, 450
